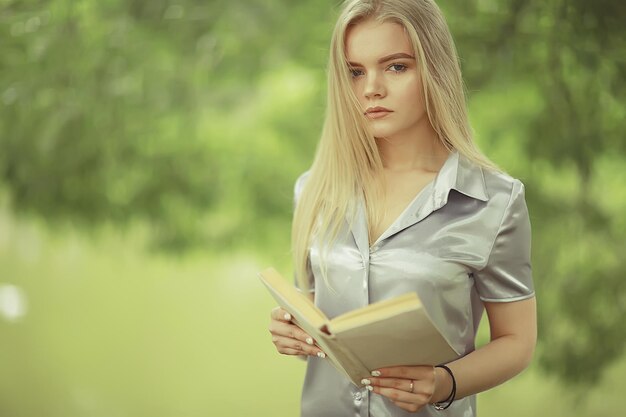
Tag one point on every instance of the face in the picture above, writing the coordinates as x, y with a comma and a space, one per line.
385, 78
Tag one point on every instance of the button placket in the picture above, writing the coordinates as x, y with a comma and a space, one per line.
358, 397
363, 403
366, 274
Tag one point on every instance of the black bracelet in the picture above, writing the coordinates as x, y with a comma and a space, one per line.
442, 405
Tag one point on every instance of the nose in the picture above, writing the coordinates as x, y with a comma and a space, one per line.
374, 86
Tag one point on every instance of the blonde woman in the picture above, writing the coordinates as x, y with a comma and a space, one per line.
400, 199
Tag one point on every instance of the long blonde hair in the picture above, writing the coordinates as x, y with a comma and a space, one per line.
347, 164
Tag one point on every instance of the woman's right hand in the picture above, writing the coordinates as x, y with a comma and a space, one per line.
288, 338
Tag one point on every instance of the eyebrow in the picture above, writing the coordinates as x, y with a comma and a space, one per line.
385, 59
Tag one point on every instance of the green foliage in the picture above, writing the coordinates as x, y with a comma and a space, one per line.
571, 53
116, 110
112, 331
196, 117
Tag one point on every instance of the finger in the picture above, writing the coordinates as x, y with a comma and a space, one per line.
280, 314
398, 383
279, 328
291, 346
416, 386
407, 372
291, 352
400, 395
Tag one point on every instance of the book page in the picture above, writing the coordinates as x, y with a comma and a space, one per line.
376, 311
343, 360
408, 338
292, 300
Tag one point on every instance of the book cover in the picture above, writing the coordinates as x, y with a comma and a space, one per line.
392, 332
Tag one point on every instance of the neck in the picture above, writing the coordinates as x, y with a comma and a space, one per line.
417, 149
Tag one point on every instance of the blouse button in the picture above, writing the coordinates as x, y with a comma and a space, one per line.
357, 396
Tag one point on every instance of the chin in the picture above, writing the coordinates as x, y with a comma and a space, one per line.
384, 133
385, 129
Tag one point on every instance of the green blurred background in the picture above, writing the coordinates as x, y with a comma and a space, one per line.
148, 150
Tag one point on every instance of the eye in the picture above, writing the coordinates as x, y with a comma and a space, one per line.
355, 72
397, 67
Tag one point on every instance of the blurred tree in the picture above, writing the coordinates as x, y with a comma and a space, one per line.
197, 116
105, 108
571, 53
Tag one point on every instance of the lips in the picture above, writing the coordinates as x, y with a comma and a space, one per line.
377, 112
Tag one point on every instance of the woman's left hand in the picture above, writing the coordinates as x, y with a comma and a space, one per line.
409, 387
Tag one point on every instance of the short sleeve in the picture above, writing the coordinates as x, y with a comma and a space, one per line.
507, 276
297, 192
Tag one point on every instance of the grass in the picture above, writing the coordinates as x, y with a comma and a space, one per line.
110, 330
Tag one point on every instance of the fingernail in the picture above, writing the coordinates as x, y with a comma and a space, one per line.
370, 388
309, 340
321, 355
365, 381
287, 316
375, 373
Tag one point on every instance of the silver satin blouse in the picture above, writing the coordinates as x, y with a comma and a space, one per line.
464, 239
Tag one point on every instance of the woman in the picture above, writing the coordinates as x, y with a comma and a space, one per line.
400, 199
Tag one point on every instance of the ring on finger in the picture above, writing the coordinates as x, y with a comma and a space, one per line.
411, 386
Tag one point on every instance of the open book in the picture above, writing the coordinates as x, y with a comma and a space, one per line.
388, 333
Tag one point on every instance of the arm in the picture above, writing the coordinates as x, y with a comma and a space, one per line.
513, 336
513, 325
513, 328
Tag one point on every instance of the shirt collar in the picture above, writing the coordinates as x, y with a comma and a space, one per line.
460, 174
457, 173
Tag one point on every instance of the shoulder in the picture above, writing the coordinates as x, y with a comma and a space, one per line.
497, 188
507, 203
502, 188
505, 274
503, 195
